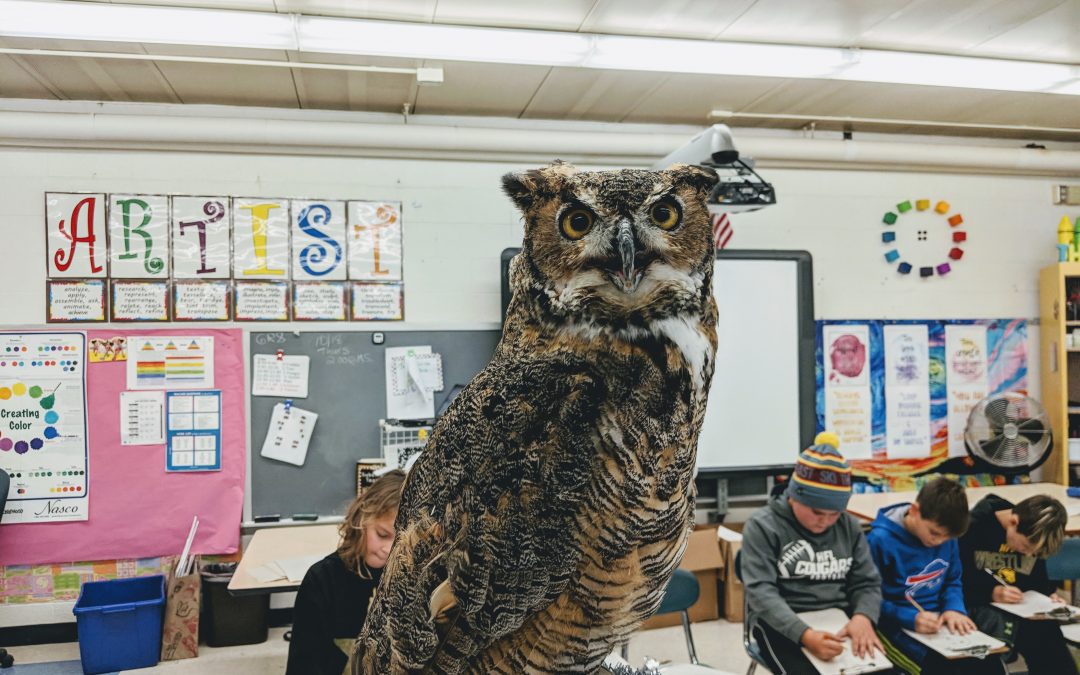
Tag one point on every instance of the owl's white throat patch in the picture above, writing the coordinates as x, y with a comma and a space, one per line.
685, 333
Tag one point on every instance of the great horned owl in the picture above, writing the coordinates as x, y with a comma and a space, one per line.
553, 501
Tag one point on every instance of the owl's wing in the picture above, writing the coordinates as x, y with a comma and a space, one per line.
485, 525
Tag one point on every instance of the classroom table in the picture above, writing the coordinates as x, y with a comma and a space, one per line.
274, 543
865, 506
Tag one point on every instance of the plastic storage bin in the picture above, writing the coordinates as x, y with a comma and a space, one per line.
119, 623
227, 619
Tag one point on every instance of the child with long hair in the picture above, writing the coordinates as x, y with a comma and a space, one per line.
332, 602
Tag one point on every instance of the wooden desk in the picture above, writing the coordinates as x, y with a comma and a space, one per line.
273, 543
866, 506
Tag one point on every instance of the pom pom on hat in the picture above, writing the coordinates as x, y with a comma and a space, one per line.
822, 477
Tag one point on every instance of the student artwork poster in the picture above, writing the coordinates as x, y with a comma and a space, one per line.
1005, 370
43, 426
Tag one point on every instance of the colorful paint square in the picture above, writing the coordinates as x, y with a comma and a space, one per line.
889, 218
903, 207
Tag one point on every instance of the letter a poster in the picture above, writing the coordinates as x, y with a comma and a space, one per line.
43, 426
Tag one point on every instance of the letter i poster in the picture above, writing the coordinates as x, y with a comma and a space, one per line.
43, 426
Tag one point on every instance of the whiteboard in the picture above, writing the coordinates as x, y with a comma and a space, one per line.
760, 412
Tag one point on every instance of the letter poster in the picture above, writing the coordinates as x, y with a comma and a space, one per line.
261, 239
75, 225
43, 426
201, 238
138, 236
375, 241
318, 240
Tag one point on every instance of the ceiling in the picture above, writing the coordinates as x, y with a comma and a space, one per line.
1041, 30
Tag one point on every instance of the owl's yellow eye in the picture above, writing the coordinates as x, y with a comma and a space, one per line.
576, 223
665, 214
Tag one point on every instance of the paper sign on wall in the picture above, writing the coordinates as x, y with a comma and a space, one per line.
200, 237
378, 302
139, 300
280, 375
848, 406
75, 300
75, 234
43, 442
261, 238
907, 387
193, 430
966, 379
413, 374
289, 434
185, 362
320, 301
138, 236
201, 300
262, 301
142, 417
374, 241
318, 240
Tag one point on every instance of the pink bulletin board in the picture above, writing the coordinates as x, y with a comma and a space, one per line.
136, 509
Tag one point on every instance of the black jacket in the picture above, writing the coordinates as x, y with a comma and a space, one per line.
331, 604
983, 547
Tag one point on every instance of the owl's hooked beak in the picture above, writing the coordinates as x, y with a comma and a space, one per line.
624, 241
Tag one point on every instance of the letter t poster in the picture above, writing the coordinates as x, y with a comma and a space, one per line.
43, 426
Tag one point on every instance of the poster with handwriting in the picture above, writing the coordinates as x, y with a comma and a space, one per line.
314, 301
75, 300
201, 300
138, 236
848, 406
375, 241
75, 235
318, 240
140, 300
966, 379
378, 302
43, 416
260, 238
201, 237
262, 301
907, 391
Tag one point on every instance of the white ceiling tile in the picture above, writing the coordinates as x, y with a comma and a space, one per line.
681, 18
574, 93
387, 10
689, 99
17, 82
248, 5
1050, 36
240, 85
819, 22
481, 89
565, 15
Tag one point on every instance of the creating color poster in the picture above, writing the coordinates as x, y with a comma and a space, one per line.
75, 235
260, 238
43, 430
75, 300
966, 377
1006, 370
318, 240
848, 409
193, 430
138, 236
907, 397
375, 241
201, 239
184, 362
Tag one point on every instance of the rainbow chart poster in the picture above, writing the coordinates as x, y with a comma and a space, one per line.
185, 362
43, 426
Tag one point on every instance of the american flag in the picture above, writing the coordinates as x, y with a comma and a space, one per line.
721, 230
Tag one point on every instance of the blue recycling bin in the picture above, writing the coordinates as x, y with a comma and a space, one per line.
119, 623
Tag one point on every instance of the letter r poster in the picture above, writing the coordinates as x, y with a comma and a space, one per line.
43, 426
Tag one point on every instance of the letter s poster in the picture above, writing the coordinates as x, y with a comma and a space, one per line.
43, 426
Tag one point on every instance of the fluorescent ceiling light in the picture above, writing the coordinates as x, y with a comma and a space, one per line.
309, 34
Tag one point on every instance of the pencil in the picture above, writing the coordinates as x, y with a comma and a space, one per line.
915, 604
996, 577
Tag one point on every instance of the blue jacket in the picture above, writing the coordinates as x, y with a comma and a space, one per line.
908, 569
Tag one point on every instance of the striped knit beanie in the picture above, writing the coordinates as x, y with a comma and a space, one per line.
822, 478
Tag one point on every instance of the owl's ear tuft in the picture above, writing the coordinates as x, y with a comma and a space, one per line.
523, 187
701, 178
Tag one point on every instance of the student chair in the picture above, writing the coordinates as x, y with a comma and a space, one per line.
682, 591
6, 660
1065, 566
753, 650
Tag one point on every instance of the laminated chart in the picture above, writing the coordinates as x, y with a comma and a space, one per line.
170, 362
43, 426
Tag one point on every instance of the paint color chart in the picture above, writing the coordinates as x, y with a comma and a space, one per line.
170, 362
43, 426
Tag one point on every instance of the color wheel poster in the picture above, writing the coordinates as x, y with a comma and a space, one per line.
185, 362
43, 426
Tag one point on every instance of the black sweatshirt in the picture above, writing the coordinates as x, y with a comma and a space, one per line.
983, 547
331, 604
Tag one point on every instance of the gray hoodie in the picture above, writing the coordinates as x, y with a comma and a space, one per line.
787, 569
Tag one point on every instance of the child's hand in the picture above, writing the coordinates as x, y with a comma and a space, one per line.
928, 622
1007, 594
863, 638
825, 646
958, 623
1054, 597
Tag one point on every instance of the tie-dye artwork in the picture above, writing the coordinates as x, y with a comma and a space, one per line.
1006, 345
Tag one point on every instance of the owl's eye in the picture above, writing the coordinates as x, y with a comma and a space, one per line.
665, 214
576, 223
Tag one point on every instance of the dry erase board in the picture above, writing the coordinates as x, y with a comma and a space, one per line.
347, 389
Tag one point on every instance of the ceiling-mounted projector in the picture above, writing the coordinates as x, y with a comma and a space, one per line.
740, 188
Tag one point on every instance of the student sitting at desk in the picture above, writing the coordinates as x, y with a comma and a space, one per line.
1004, 554
332, 602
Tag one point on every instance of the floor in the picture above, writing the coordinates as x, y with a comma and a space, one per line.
719, 644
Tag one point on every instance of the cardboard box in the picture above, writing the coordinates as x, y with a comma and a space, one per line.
702, 557
729, 542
